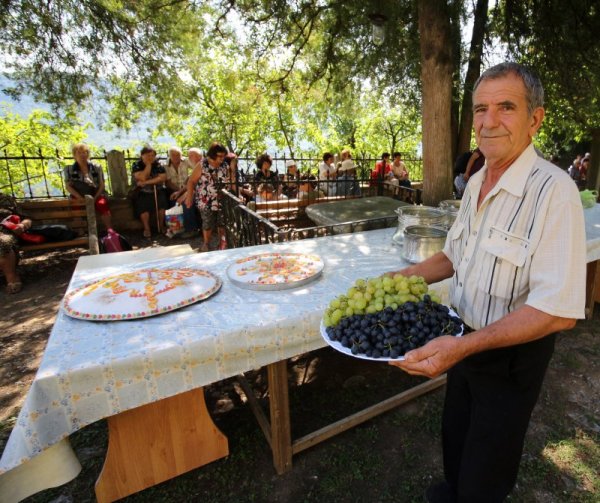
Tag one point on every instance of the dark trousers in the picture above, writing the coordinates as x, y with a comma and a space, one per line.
489, 399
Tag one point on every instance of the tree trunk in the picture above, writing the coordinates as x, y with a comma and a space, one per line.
473, 72
593, 176
436, 78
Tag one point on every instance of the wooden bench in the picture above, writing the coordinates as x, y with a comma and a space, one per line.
64, 211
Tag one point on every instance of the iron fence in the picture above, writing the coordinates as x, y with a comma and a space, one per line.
34, 176
40, 175
245, 227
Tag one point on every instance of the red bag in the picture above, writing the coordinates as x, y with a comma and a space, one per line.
11, 222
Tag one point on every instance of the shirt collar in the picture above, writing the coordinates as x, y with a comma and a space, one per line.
514, 178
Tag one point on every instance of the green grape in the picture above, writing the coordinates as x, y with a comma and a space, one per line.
379, 293
360, 304
360, 283
335, 303
349, 311
358, 296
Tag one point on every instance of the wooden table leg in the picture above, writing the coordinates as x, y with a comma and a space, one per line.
592, 288
281, 435
156, 442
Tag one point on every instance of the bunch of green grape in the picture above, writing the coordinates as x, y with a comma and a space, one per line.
375, 294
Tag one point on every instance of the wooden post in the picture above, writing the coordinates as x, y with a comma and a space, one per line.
90, 209
592, 288
281, 434
115, 160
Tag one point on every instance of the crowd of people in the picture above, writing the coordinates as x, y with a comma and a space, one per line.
578, 170
194, 183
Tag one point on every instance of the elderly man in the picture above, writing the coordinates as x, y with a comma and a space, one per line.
178, 169
516, 255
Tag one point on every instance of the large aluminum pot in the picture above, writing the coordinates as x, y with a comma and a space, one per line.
421, 242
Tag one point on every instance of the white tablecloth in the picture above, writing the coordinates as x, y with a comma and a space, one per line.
91, 370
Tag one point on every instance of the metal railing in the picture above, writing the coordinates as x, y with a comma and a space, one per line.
34, 176
245, 227
28, 175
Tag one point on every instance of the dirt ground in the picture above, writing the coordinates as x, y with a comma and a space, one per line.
390, 458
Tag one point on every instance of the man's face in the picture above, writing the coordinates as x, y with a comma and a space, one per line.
503, 126
292, 170
175, 157
194, 158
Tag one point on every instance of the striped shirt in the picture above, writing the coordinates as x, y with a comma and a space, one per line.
525, 245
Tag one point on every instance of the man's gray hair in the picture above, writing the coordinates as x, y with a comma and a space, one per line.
534, 91
195, 150
174, 149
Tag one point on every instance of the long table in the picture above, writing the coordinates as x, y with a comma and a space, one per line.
134, 370
94, 370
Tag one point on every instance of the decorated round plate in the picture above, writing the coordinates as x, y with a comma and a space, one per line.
337, 345
140, 294
275, 271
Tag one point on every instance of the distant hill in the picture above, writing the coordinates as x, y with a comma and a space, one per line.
96, 135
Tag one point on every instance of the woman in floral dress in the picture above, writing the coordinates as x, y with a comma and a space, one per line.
203, 187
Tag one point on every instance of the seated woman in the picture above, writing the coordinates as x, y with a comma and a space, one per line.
84, 177
264, 173
307, 188
150, 176
9, 248
266, 192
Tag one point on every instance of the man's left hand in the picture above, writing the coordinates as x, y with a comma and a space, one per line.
434, 358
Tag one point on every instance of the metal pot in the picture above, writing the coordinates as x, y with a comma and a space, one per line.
421, 242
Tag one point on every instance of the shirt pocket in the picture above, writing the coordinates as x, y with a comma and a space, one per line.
454, 238
506, 255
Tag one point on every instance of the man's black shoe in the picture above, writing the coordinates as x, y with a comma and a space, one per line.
440, 492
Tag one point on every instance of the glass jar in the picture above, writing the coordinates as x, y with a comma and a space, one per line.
417, 215
450, 207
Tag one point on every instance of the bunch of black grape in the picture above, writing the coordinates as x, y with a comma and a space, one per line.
392, 332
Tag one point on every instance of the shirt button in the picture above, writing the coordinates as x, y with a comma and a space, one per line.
474, 233
460, 284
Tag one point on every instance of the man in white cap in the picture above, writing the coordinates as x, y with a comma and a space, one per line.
290, 186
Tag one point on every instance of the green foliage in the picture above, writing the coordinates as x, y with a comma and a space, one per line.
40, 134
563, 46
